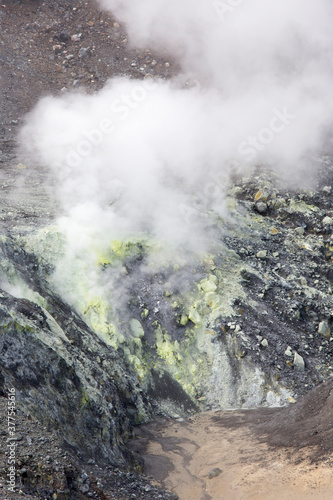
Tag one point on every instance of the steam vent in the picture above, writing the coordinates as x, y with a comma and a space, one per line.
166, 250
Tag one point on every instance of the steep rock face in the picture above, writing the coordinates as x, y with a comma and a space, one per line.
79, 389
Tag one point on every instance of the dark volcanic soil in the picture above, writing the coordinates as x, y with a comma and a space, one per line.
42, 52
47, 48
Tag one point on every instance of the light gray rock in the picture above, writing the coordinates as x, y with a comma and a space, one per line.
299, 363
261, 207
288, 352
84, 52
324, 329
327, 221
262, 254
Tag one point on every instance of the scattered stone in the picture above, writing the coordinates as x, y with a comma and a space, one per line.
258, 195
76, 37
214, 473
261, 207
136, 328
300, 230
264, 343
184, 320
84, 52
194, 316
84, 488
64, 37
262, 254
144, 313
208, 285
299, 364
288, 351
324, 329
303, 281
327, 189
327, 221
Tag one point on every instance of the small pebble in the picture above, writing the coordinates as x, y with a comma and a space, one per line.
214, 473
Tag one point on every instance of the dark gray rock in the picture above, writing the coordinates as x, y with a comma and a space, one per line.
57, 381
214, 472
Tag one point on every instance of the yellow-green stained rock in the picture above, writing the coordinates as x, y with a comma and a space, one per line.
213, 300
184, 320
136, 329
103, 261
123, 248
166, 348
194, 316
144, 313
208, 285
302, 207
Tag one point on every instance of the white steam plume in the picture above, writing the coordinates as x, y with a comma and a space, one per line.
134, 156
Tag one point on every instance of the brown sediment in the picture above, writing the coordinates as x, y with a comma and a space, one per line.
264, 454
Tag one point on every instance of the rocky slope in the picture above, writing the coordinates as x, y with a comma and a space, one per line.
246, 325
250, 328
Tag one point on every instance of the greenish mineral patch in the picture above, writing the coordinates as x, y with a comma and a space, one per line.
120, 250
136, 329
302, 207
173, 328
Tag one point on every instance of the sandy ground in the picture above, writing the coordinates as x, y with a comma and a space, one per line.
181, 456
262, 454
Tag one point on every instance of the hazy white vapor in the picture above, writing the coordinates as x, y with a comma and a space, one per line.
256, 42
133, 155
